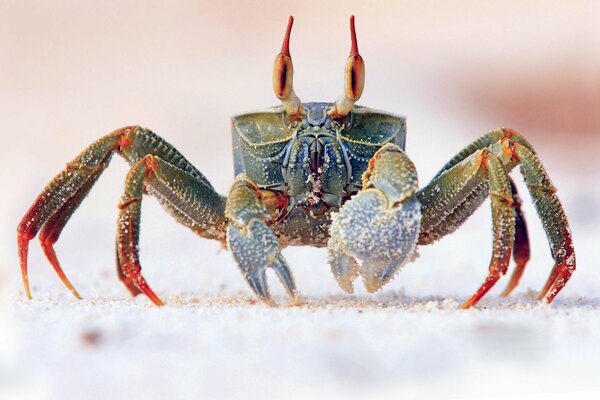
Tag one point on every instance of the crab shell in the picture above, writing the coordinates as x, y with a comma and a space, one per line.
317, 163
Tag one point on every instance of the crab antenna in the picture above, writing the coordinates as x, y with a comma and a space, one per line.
283, 76
354, 81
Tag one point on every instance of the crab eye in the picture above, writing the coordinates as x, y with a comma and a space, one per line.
283, 73
283, 76
355, 69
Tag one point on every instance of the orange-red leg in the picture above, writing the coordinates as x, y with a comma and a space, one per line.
452, 197
503, 220
57, 202
126, 281
52, 229
554, 221
458, 190
489, 283
192, 197
23, 239
188, 196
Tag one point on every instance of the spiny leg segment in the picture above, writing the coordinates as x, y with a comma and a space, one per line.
58, 201
183, 191
180, 188
451, 198
51, 231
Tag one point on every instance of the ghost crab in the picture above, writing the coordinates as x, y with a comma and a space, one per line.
319, 174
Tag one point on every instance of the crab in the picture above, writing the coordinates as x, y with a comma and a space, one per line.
329, 175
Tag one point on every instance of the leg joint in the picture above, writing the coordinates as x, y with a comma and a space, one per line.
124, 138
504, 199
123, 204
151, 164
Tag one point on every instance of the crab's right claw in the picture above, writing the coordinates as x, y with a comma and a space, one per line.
253, 244
376, 232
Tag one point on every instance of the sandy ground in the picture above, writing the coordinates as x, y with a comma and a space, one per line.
333, 347
73, 71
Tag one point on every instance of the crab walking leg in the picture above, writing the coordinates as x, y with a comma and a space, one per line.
375, 232
472, 195
61, 197
554, 220
485, 141
439, 225
449, 191
503, 223
521, 252
126, 281
185, 192
92, 161
443, 216
53, 227
253, 244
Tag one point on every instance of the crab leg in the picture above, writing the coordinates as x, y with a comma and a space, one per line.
442, 214
521, 252
181, 189
203, 212
55, 199
126, 281
52, 229
444, 191
553, 218
253, 244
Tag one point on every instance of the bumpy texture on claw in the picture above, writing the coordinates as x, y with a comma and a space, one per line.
375, 233
254, 245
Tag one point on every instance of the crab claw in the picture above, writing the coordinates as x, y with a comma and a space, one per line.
256, 248
371, 238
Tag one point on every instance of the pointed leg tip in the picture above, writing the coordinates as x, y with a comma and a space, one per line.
541, 296
76, 294
158, 302
154, 298
26, 287
296, 300
466, 305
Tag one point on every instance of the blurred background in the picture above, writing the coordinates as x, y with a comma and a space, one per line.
72, 71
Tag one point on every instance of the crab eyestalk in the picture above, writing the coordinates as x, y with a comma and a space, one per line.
283, 77
354, 80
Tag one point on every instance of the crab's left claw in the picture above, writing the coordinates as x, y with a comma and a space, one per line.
256, 248
376, 232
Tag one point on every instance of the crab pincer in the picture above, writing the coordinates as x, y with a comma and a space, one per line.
375, 233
